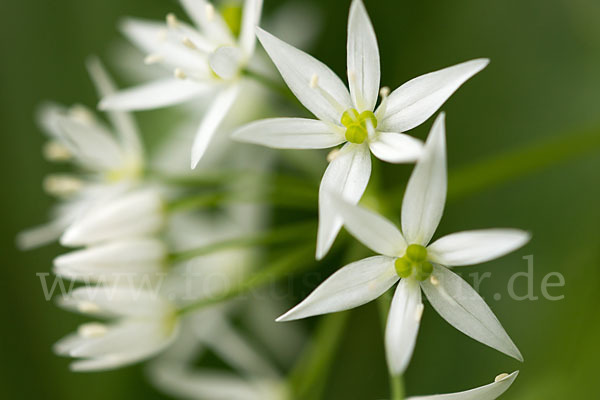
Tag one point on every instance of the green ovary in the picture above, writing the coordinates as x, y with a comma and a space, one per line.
232, 14
356, 124
414, 263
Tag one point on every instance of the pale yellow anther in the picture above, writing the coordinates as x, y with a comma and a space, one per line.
384, 91
501, 377
351, 75
87, 307
210, 12
179, 73
419, 312
314, 81
187, 42
153, 59
81, 114
172, 21
62, 185
92, 330
55, 151
332, 155
434, 281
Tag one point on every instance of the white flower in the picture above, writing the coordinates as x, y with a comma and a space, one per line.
118, 262
350, 117
487, 392
146, 324
207, 61
422, 266
133, 214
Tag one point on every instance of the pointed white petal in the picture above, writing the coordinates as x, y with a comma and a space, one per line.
487, 392
225, 61
210, 22
290, 133
250, 20
347, 176
418, 99
373, 230
134, 214
459, 304
351, 286
212, 119
123, 122
396, 147
425, 195
162, 93
403, 325
474, 247
362, 58
313, 83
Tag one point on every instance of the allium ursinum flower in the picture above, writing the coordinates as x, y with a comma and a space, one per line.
488, 392
408, 259
108, 159
144, 324
350, 117
207, 61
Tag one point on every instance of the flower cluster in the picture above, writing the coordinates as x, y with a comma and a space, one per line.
164, 259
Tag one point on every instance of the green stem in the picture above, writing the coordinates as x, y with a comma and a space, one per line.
292, 263
396, 381
277, 235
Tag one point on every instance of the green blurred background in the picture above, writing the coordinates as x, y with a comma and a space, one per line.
543, 84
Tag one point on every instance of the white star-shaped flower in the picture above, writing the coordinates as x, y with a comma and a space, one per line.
408, 257
488, 392
350, 117
207, 61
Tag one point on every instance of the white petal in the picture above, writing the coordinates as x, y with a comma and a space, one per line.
418, 99
373, 230
425, 195
459, 304
403, 325
396, 147
313, 83
212, 119
250, 20
162, 93
210, 22
351, 286
123, 122
225, 61
290, 133
347, 176
487, 392
474, 247
363, 58
134, 214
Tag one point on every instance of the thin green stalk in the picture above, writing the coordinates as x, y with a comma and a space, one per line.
292, 263
277, 235
396, 381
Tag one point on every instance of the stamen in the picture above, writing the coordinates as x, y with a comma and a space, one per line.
81, 114
187, 42
172, 21
180, 74
333, 155
351, 75
501, 377
162, 35
210, 12
434, 281
62, 185
153, 59
56, 151
419, 312
314, 81
314, 84
384, 92
92, 330
87, 307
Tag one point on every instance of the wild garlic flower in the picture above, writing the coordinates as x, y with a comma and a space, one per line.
207, 60
349, 117
108, 159
488, 392
145, 324
408, 259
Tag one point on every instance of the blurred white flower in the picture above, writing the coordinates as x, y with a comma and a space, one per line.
487, 392
206, 61
145, 325
350, 117
409, 256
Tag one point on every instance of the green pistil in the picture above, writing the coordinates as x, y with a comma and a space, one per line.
232, 14
414, 263
356, 124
